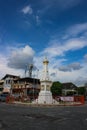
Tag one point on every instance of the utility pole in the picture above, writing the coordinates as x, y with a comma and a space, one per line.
30, 70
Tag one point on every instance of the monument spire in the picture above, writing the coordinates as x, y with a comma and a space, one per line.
45, 69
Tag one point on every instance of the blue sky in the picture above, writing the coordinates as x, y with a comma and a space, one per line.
31, 30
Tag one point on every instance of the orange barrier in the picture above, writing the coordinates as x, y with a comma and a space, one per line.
10, 99
79, 99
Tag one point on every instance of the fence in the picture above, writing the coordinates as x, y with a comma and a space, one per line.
80, 99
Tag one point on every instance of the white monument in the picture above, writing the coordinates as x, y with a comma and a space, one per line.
45, 95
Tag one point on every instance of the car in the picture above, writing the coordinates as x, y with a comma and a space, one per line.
3, 97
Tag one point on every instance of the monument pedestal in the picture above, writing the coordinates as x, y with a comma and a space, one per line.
45, 97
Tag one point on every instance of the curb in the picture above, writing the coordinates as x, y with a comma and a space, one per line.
45, 105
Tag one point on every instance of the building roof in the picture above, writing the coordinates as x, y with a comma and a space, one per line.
9, 75
69, 85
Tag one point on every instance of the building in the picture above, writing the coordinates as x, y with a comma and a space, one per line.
69, 89
26, 87
8, 81
22, 86
1, 85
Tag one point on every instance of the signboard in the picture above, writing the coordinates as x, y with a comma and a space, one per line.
69, 99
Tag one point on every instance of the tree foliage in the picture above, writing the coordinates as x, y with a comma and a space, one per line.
81, 90
56, 88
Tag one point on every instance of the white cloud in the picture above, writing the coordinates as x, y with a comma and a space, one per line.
57, 49
70, 76
80, 81
4, 69
73, 66
21, 57
64, 68
3, 62
75, 44
27, 10
70, 41
85, 56
68, 4
16, 60
58, 5
38, 21
77, 29
68, 73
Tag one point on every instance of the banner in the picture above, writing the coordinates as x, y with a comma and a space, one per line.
69, 99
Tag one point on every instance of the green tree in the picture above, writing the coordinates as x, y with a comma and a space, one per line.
81, 90
56, 88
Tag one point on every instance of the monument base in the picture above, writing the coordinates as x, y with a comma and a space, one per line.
45, 97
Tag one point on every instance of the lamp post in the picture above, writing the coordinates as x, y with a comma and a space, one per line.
33, 86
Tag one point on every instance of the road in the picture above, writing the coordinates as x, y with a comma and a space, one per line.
19, 117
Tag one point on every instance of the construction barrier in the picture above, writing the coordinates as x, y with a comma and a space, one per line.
67, 98
79, 99
76, 99
10, 99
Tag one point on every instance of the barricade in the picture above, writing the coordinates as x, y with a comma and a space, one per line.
73, 100
10, 99
79, 99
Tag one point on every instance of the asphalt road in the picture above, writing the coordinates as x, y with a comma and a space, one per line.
17, 117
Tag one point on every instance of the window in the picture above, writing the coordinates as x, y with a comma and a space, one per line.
9, 81
6, 81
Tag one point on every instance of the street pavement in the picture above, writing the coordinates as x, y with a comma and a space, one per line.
19, 117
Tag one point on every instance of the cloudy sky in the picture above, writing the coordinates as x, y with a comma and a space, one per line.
31, 30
